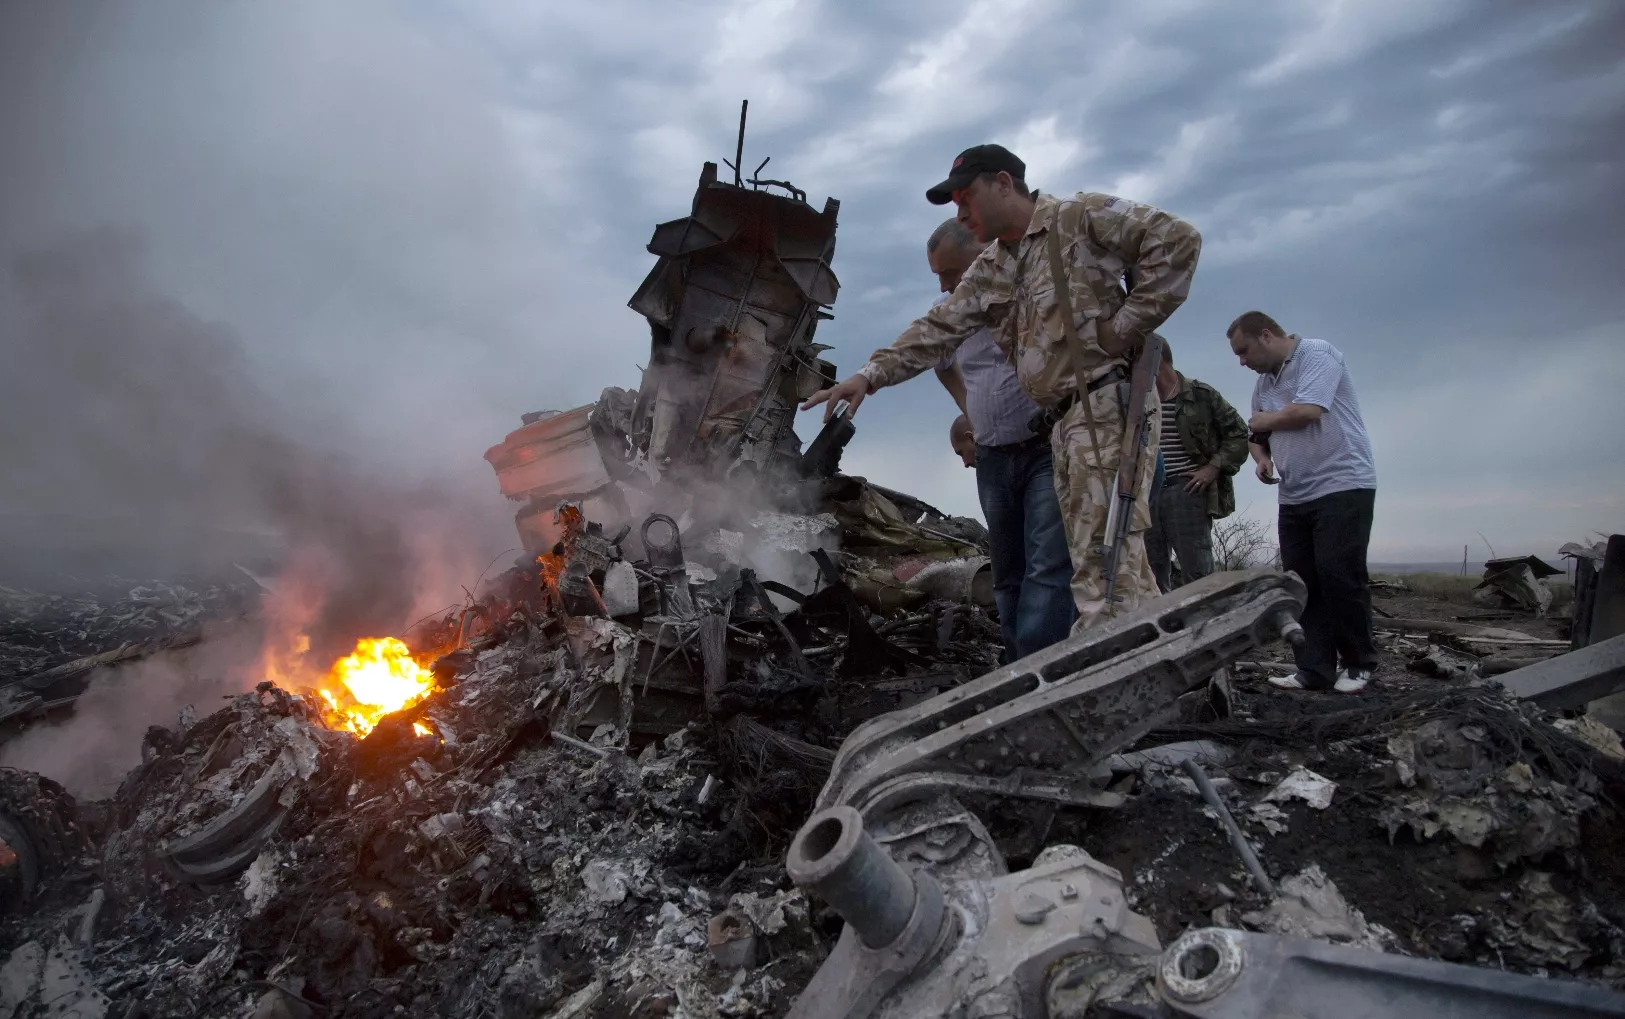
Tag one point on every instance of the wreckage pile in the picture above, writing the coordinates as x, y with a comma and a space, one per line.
472, 853
1463, 825
51, 625
53, 640
591, 812
541, 837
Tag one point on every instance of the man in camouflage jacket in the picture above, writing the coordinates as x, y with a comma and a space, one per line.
1104, 243
1203, 445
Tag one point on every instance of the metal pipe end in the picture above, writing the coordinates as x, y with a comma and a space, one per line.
1201, 965
1290, 629
823, 845
834, 858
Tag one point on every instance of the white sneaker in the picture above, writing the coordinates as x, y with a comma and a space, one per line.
1291, 682
1352, 680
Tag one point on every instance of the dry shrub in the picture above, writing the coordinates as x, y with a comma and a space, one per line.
1242, 543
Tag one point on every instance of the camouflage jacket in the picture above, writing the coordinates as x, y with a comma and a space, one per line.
1010, 290
1212, 432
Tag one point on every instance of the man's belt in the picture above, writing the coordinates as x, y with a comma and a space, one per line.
1031, 442
1045, 420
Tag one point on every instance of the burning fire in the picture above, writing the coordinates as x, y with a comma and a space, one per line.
380, 677
569, 518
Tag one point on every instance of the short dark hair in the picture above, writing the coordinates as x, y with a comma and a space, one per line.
1167, 353
1016, 182
1251, 325
955, 233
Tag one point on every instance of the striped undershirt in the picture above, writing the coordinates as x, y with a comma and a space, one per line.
1175, 460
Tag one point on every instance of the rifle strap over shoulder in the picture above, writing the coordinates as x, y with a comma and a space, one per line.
1074, 342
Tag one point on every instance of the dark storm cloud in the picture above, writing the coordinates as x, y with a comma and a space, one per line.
439, 210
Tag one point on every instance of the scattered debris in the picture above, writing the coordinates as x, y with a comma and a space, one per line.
1303, 784
1308, 905
57, 635
1269, 816
588, 812
1595, 734
731, 937
1519, 583
1171, 755
1509, 812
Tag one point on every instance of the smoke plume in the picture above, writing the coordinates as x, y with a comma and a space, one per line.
144, 418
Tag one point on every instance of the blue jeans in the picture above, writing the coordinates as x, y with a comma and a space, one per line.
1032, 571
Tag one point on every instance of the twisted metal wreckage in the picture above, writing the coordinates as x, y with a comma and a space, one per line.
935, 924
690, 505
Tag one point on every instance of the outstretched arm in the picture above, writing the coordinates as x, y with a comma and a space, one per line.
924, 344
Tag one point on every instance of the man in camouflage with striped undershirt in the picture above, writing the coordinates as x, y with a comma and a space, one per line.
1127, 267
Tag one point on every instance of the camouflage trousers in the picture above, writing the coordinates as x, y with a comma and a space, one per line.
1083, 484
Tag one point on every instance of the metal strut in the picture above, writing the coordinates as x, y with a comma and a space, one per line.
1214, 973
936, 924
1110, 685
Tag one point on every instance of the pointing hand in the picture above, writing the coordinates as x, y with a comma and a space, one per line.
851, 392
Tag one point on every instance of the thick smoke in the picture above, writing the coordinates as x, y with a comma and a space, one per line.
141, 417
139, 412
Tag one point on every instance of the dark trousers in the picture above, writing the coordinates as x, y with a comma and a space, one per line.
1032, 570
1179, 525
1324, 542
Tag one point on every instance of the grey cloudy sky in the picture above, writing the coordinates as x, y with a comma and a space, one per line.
422, 219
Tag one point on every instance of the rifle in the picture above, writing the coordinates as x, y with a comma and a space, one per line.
1136, 440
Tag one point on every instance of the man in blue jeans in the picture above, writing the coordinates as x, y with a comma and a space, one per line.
1032, 571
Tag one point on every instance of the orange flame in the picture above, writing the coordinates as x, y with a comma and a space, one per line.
380, 677
570, 519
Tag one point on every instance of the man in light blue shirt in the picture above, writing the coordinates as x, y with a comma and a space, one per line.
1015, 482
1306, 426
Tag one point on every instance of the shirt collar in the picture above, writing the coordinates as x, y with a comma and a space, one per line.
1297, 341
1044, 208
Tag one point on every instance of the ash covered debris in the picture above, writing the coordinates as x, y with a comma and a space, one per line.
535, 835
57, 620
591, 812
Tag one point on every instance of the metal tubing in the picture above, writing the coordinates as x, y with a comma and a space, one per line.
835, 858
1261, 880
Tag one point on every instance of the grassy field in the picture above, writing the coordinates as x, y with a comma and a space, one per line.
1450, 587
1443, 586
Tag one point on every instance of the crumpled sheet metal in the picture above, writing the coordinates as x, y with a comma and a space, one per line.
1309, 905
1216, 973
225, 847
733, 304
1448, 785
1519, 584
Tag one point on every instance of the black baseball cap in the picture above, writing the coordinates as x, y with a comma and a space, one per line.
972, 163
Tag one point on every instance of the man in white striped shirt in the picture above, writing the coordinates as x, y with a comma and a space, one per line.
1015, 474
